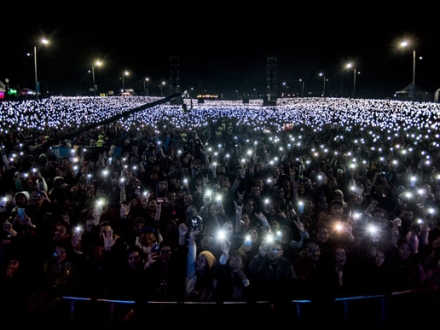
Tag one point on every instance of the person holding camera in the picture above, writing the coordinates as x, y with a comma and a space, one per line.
165, 269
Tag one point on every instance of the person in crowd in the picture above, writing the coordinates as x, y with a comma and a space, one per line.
407, 217
341, 224
251, 245
309, 269
200, 272
255, 194
341, 275
15, 287
256, 220
213, 214
132, 282
148, 236
322, 233
272, 274
166, 271
403, 265
376, 272
97, 280
427, 266
232, 282
60, 278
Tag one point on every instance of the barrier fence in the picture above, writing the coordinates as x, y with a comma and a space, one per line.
379, 311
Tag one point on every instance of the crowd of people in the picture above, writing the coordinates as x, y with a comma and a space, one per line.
314, 198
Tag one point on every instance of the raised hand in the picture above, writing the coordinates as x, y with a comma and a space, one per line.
183, 229
238, 208
77, 233
299, 225
109, 239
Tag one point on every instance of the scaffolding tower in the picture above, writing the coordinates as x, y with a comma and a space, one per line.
174, 77
271, 95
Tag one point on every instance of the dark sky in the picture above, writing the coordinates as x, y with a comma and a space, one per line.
222, 53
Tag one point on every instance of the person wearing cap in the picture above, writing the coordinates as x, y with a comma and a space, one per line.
148, 236
21, 199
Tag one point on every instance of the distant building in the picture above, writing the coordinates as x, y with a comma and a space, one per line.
405, 94
127, 92
208, 96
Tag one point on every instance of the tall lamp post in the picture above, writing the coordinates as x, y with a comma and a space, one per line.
161, 86
97, 63
323, 88
37, 84
123, 80
146, 84
349, 66
413, 82
302, 87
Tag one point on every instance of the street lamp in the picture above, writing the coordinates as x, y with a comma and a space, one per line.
97, 63
123, 80
37, 84
349, 66
302, 88
285, 89
146, 83
161, 86
413, 83
323, 89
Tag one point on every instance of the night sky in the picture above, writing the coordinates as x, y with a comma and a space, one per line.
222, 54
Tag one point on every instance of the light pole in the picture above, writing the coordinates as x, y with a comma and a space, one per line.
413, 83
285, 89
349, 66
123, 80
161, 86
146, 84
37, 84
323, 89
97, 63
302, 87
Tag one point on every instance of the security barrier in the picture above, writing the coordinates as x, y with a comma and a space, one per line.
412, 307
